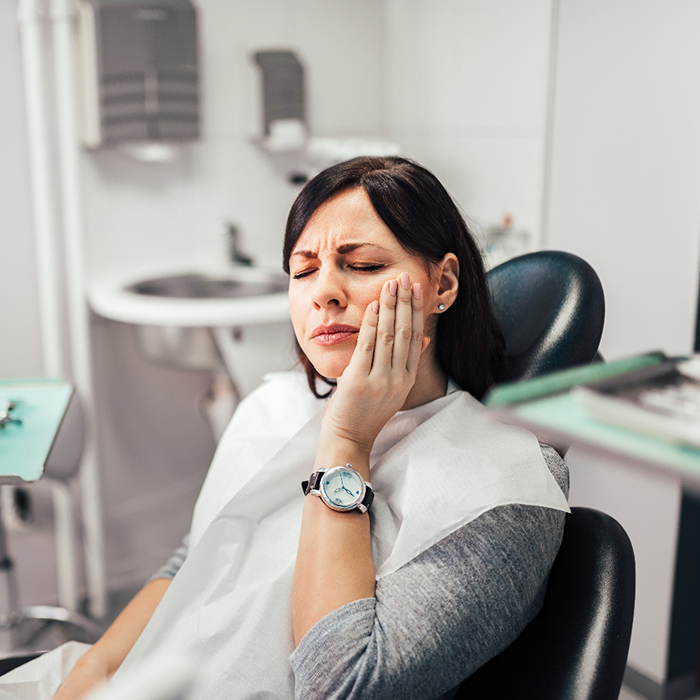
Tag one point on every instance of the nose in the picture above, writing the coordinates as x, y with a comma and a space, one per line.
329, 289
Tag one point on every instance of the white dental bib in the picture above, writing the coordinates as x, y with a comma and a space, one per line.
433, 469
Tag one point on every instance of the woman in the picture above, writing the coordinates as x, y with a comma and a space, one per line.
401, 597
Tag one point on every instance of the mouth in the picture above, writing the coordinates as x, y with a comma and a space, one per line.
331, 335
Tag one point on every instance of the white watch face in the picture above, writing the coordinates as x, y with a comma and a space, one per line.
342, 488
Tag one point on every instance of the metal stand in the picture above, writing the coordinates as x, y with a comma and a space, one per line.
13, 618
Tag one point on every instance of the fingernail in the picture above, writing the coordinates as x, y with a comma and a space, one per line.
375, 307
393, 286
417, 291
404, 280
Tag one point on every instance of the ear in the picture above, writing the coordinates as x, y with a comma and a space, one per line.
448, 281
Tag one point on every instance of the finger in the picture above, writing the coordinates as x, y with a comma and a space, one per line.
418, 344
363, 354
403, 325
384, 347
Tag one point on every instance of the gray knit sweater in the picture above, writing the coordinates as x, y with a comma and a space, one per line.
440, 617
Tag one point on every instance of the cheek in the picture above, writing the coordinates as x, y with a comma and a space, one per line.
364, 292
298, 313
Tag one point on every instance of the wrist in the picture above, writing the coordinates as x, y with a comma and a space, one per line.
358, 441
333, 451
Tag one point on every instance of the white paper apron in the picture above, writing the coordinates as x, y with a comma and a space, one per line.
231, 601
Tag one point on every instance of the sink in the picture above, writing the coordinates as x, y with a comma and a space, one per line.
193, 298
195, 319
203, 286
191, 319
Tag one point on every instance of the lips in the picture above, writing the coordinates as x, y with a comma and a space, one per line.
335, 333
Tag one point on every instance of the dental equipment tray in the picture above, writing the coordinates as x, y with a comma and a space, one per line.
662, 401
32, 414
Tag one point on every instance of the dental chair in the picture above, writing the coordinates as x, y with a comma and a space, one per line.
576, 648
550, 308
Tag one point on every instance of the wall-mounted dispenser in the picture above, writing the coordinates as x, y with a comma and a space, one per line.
139, 71
283, 100
286, 138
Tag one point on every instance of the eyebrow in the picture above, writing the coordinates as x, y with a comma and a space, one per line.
342, 249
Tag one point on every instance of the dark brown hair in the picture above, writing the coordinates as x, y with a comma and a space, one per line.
425, 220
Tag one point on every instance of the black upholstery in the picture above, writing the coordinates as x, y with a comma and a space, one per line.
576, 648
11, 662
550, 308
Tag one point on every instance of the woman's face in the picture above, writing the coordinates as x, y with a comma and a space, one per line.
337, 268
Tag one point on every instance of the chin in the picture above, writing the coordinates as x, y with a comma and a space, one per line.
329, 364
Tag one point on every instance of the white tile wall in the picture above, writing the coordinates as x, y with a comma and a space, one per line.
342, 44
460, 65
154, 450
626, 163
467, 87
489, 176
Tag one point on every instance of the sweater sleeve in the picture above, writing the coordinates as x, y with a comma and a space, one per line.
440, 617
173, 565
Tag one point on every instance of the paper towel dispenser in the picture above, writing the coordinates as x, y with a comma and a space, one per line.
283, 87
139, 71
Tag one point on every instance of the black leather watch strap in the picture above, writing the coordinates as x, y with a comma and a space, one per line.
313, 482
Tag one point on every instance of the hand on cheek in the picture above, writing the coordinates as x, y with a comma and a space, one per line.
383, 366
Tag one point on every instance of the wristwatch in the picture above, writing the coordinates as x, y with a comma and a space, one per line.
340, 488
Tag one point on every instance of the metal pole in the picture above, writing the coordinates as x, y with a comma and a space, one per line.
63, 21
31, 28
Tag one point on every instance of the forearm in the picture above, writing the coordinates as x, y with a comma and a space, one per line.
334, 560
113, 646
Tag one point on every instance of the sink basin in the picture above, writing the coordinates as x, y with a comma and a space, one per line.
193, 298
202, 286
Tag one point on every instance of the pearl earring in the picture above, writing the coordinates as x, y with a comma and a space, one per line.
441, 307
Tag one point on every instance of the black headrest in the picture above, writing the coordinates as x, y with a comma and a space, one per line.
550, 308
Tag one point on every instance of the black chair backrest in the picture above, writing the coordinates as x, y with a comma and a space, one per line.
550, 308
576, 648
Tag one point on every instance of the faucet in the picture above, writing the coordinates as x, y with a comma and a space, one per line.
235, 255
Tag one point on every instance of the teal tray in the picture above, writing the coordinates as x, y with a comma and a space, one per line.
25, 448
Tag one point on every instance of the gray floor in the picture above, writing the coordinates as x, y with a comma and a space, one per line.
627, 694
32, 636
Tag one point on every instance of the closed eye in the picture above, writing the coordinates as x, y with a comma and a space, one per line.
366, 268
357, 268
